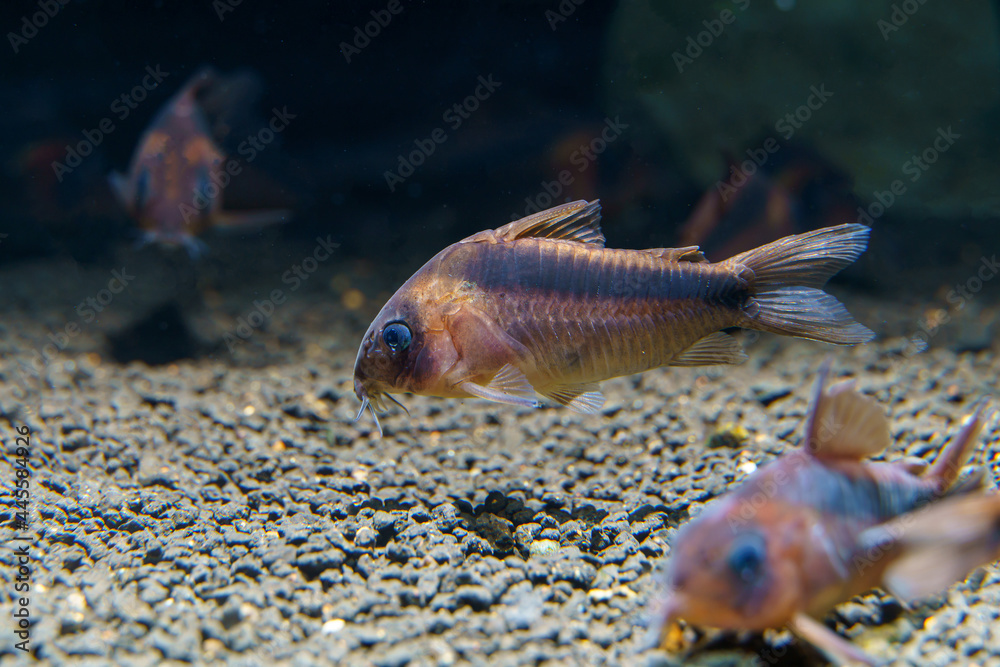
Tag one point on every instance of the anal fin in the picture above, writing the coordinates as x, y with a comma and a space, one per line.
583, 398
716, 348
509, 386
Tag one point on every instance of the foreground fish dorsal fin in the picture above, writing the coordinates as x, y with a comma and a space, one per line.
838, 649
937, 546
509, 386
717, 348
583, 398
689, 254
576, 221
843, 423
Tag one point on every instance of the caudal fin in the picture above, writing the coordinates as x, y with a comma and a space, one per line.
788, 275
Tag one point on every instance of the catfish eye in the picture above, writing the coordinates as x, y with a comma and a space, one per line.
747, 556
397, 336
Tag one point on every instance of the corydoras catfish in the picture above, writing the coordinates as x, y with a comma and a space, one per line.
820, 525
540, 305
174, 184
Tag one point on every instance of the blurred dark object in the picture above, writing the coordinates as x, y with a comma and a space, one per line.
160, 338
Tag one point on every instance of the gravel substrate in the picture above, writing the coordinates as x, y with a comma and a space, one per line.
226, 510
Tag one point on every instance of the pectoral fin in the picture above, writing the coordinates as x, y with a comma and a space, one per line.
583, 398
509, 386
843, 423
839, 650
717, 348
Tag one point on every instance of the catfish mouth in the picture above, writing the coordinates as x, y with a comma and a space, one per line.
365, 389
372, 398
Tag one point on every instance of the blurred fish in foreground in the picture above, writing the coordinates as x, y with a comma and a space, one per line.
780, 189
820, 525
175, 183
540, 305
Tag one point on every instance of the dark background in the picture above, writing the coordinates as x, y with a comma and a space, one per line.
352, 119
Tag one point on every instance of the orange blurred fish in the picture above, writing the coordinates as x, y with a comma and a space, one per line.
174, 184
820, 525
795, 190
540, 305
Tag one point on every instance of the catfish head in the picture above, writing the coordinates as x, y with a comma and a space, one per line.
406, 349
729, 572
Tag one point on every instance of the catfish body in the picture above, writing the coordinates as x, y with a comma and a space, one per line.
540, 305
820, 525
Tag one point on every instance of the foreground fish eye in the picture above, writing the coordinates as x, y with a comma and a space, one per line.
396, 336
746, 556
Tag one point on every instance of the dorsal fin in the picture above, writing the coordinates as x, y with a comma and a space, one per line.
576, 221
689, 254
843, 423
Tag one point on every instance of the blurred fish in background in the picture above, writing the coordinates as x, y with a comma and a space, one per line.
778, 190
178, 175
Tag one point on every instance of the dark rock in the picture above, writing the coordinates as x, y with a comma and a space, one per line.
478, 597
